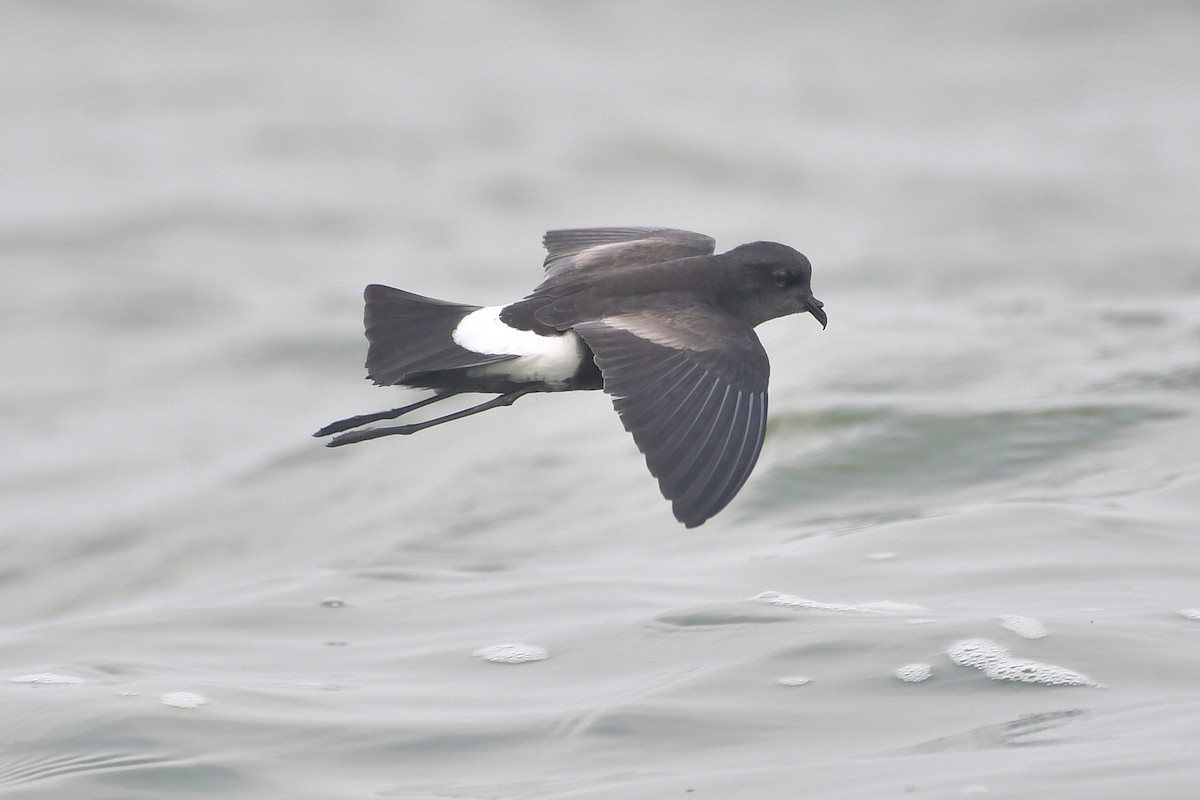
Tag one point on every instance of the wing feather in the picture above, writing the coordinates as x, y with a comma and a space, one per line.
576, 248
652, 417
698, 414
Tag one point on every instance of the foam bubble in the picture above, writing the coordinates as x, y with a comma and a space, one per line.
1025, 627
1190, 613
890, 607
1025, 671
914, 673
875, 607
512, 653
333, 601
48, 679
885, 555
1000, 665
792, 601
976, 653
793, 680
183, 700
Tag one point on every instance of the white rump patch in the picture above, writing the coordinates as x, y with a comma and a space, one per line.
553, 359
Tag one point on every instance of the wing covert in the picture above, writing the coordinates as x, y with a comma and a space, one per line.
576, 248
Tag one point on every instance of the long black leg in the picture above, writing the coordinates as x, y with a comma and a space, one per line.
375, 433
363, 419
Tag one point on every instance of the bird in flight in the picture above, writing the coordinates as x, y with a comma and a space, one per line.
649, 315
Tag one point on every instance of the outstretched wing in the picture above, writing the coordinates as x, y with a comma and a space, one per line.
576, 248
691, 386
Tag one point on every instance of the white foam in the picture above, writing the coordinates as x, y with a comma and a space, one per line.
1025, 671
793, 680
914, 673
553, 359
891, 607
874, 607
512, 653
183, 700
976, 653
1000, 665
48, 679
1025, 627
792, 601
1190, 613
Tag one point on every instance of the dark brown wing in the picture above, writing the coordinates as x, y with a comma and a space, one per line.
577, 248
691, 387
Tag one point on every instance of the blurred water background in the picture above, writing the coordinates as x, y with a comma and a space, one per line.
996, 440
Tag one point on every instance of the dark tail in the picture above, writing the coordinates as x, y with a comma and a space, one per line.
411, 334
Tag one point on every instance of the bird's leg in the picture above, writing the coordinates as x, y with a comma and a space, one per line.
363, 419
374, 433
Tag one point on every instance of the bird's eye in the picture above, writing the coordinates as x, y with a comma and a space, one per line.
783, 279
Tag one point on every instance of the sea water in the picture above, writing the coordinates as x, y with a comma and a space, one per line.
967, 564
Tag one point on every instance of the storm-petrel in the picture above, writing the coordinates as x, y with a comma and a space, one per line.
649, 315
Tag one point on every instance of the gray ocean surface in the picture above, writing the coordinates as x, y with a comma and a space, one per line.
987, 469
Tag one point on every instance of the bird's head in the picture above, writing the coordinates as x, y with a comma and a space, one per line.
770, 280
